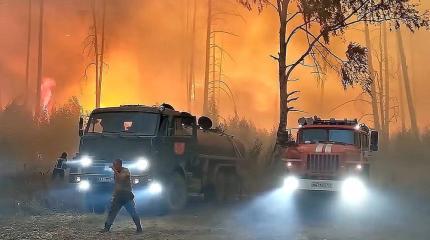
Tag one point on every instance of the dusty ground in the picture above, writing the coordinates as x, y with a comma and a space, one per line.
270, 216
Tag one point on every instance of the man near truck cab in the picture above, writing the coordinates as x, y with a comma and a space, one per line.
60, 167
122, 197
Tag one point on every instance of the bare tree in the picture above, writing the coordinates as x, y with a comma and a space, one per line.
95, 45
190, 79
386, 113
38, 106
328, 18
402, 100
373, 93
27, 67
406, 82
207, 61
102, 51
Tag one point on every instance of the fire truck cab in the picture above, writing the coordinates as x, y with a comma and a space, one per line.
329, 155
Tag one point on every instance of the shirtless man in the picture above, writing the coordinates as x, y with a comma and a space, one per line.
122, 197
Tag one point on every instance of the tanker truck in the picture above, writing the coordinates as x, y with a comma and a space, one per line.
169, 153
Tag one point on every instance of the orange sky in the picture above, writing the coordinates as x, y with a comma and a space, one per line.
145, 49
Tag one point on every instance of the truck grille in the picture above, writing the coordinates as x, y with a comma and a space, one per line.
323, 163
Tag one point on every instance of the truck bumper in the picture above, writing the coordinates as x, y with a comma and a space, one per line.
320, 185
142, 185
349, 187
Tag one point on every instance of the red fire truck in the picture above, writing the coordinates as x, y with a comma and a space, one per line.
329, 155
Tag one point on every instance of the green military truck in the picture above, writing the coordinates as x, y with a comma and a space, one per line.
169, 153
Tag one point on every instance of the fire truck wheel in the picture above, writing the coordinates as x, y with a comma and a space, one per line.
177, 194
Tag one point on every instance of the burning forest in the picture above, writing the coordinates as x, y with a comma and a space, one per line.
214, 119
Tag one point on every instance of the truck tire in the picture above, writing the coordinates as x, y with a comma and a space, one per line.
226, 185
177, 195
220, 186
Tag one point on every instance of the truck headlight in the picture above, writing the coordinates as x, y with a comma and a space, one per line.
142, 164
155, 187
86, 161
84, 185
291, 184
353, 189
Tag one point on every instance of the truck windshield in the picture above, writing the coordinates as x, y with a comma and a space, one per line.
327, 135
123, 122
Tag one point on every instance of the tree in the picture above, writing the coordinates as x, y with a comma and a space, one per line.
27, 67
38, 108
207, 61
96, 46
406, 82
387, 84
318, 21
373, 92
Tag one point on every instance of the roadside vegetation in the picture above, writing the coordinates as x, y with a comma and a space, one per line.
28, 151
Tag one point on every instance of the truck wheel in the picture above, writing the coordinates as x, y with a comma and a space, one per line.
220, 186
177, 194
231, 185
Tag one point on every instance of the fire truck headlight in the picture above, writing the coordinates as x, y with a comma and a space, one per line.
86, 161
155, 187
142, 164
353, 190
84, 185
291, 184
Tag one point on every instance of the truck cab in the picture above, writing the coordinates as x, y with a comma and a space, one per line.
329, 155
160, 146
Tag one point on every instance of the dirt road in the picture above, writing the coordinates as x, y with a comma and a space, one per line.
270, 216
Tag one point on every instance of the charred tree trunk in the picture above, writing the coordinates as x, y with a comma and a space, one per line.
96, 52
190, 85
282, 69
380, 89
27, 66
375, 110
322, 96
406, 81
402, 101
38, 106
102, 51
207, 62
213, 108
387, 85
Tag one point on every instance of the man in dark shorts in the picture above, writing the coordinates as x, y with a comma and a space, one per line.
122, 197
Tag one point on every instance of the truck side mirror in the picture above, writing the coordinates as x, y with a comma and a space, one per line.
81, 126
205, 123
374, 141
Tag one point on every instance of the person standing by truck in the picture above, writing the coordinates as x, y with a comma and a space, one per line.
122, 197
60, 167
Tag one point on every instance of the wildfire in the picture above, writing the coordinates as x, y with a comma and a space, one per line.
47, 87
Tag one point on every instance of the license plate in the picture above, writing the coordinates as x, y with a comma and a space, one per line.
105, 179
322, 185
